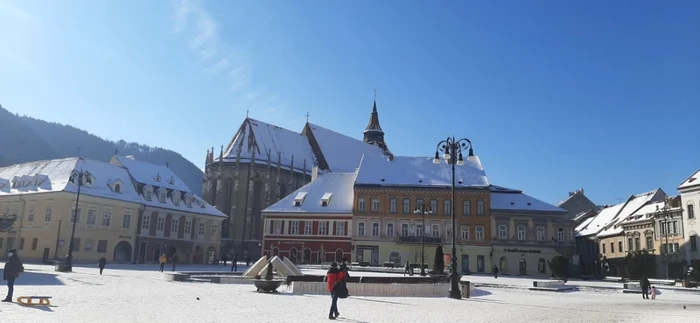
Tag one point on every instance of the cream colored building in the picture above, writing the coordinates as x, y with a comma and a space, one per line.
43, 195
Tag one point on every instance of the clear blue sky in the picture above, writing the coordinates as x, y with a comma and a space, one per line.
555, 95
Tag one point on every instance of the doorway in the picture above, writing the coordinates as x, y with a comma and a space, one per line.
522, 268
142, 251
45, 257
465, 264
156, 252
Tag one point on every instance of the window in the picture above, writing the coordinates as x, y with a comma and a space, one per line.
47, 216
466, 207
360, 204
479, 233
322, 228
392, 205
188, 227
389, 229
480, 207
117, 188
126, 220
277, 226
375, 205
88, 244
435, 230
676, 247
308, 228
92, 217
361, 229
76, 244
448, 231
406, 206
650, 243
148, 194
419, 230
612, 247
214, 229
503, 232
176, 198
102, 246
602, 246
560, 234
30, 216
540, 234
21, 243
694, 243
35, 243
542, 266
160, 224
76, 215
637, 244
174, 224
630, 245
404, 229
293, 227
202, 228
161, 197
465, 232
691, 211
434, 206
522, 233
375, 229
106, 218
447, 206
619, 246
340, 228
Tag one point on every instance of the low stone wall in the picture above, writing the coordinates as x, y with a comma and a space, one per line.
177, 277
376, 289
550, 285
358, 269
634, 288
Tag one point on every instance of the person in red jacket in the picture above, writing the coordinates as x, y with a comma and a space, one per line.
334, 276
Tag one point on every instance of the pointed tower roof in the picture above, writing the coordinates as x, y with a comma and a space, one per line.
373, 134
373, 125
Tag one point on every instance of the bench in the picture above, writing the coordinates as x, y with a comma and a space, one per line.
176, 277
631, 288
550, 285
28, 300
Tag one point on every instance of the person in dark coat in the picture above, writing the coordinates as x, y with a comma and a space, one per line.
13, 267
645, 284
174, 260
234, 263
102, 263
333, 277
495, 271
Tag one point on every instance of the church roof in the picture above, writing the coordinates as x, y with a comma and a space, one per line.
342, 153
257, 138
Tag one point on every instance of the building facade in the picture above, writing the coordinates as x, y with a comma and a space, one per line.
528, 233
313, 224
263, 163
388, 229
173, 219
43, 196
690, 201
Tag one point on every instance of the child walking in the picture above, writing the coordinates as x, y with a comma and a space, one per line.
653, 292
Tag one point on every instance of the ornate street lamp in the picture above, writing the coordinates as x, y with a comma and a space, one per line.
666, 215
423, 209
452, 154
77, 178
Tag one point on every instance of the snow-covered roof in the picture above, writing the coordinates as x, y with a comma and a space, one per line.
263, 138
644, 213
521, 202
419, 172
159, 177
55, 176
586, 222
633, 204
599, 221
342, 153
501, 189
693, 180
334, 188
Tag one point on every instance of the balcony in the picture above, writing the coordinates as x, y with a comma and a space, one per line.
419, 239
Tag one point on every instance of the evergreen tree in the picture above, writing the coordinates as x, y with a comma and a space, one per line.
559, 266
640, 263
439, 264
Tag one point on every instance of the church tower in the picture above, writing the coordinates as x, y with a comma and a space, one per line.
373, 134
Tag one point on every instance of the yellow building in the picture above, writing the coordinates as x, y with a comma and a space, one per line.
42, 195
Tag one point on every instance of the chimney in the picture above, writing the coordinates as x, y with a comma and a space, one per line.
571, 193
391, 157
314, 173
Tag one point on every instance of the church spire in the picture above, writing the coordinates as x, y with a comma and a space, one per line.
373, 134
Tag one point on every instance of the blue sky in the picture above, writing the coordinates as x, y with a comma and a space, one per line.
555, 95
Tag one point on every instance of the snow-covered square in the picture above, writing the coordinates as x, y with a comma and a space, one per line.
139, 293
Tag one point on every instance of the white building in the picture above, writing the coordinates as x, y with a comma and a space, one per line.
690, 199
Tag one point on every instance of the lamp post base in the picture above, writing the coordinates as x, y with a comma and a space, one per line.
455, 292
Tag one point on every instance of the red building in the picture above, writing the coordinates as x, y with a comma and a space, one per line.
312, 224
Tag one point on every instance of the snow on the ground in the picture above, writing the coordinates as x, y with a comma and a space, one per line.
138, 293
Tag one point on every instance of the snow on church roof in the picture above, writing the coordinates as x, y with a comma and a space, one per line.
520, 202
419, 171
310, 196
261, 137
341, 152
54, 176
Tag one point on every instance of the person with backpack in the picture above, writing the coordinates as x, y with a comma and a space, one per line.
13, 267
337, 287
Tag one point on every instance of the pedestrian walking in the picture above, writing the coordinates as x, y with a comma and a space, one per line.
644, 284
174, 259
162, 260
102, 263
653, 292
13, 267
495, 271
335, 278
234, 263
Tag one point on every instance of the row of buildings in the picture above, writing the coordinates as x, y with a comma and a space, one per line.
128, 210
653, 223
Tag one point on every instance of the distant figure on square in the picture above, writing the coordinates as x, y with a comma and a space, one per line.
13, 267
408, 270
162, 260
174, 260
102, 263
234, 263
653, 292
495, 271
644, 284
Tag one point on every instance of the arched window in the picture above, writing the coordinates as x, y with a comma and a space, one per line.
542, 266
504, 265
339, 255
293, 253
395, 257
275, 251
307, 256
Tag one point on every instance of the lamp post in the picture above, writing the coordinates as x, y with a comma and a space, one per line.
452, 154
77, 178
664, 213
422, 209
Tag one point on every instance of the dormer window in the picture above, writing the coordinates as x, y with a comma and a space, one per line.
157, 178
117, 188
188, 200
161, 196
176, 198
326, 199
171, 181
299, 199
148, 194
